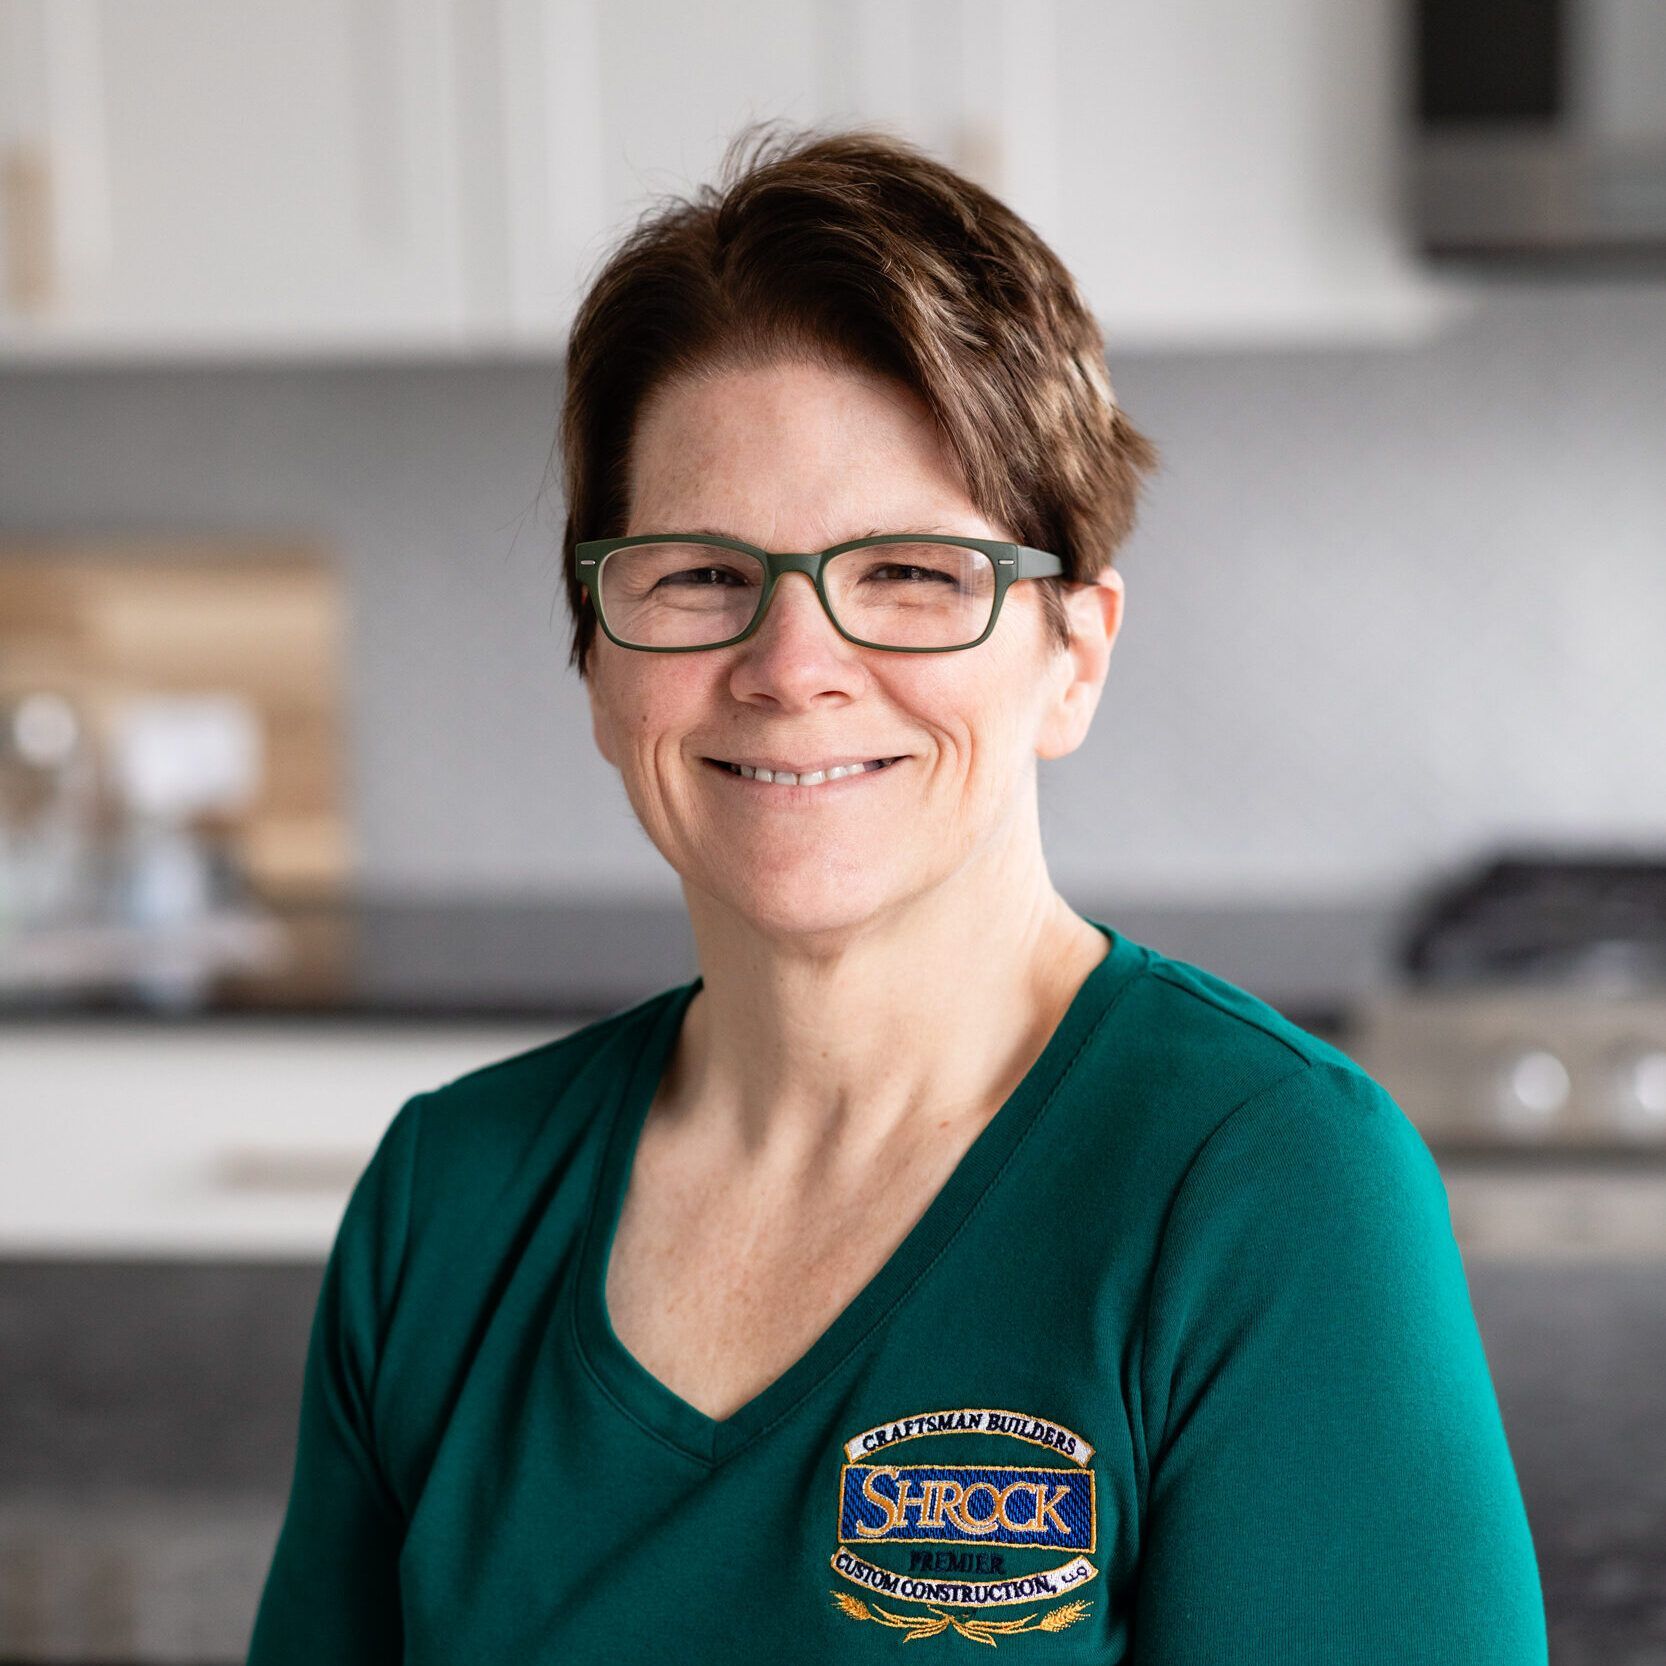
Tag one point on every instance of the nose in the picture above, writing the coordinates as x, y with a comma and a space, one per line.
804, 612
796, 656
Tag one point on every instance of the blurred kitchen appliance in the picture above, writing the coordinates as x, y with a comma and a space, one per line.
1531, 1009
208, 674
1541, 127
1526, 1039
48, 804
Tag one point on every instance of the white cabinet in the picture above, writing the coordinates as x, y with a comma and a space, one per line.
1231, 173
612, 103
441, 176
227, 1138
1212, 173
184, 177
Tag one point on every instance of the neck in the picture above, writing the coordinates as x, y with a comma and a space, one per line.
808, 1039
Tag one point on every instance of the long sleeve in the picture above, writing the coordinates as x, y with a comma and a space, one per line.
332, 1594
1329, 1475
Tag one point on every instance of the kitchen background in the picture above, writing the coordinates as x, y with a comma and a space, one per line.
1386, 603
295, 782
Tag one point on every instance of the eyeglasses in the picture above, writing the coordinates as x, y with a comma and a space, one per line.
908, 592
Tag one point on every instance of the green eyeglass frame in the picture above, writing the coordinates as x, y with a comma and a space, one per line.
1012, 562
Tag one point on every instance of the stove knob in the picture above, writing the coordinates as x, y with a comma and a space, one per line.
1637, 1089
1530, 1087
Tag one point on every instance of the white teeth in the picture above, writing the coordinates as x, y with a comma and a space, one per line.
810, 778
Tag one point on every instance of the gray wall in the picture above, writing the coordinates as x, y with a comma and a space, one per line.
1386, 605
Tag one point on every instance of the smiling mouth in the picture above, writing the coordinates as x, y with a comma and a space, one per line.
812, 778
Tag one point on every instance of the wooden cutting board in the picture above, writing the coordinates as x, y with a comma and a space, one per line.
102, 622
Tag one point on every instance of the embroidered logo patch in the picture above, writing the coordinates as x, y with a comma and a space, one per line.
1002, 1509
916, 1503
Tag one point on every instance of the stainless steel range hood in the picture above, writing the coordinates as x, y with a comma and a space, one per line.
1541, 129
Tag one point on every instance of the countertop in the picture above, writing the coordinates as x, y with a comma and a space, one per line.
390, 956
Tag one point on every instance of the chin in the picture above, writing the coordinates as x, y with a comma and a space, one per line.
805, 905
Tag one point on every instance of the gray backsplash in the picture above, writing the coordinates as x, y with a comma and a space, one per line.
1386, 604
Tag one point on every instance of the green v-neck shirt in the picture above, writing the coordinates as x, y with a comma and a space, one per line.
1179, 1366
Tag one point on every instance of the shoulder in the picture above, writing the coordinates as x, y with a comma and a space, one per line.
1304, 1222
524, 1086
1215, 1036
1288, 1155
1316, 1098
1240, 1108
462, 1165
1212, 1022
543, 1099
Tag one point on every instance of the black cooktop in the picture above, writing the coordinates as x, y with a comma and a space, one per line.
1552, 916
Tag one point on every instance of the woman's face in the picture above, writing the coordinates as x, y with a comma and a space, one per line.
794, 456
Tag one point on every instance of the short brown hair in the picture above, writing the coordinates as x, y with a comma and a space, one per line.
857, 248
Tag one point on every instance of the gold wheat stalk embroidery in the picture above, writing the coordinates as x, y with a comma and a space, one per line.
980, 1631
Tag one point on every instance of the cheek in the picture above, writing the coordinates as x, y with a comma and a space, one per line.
650, 715
978, 714
602, 722
625, 715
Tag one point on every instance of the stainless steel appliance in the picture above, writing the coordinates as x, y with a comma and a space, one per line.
1541, 127
1531, 1007
1525, 1035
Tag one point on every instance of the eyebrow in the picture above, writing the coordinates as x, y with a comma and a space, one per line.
872, 532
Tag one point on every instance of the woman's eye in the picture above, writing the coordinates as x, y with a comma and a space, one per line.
701, 574
902, 567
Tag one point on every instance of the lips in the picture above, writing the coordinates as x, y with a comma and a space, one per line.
775, 764
845, 771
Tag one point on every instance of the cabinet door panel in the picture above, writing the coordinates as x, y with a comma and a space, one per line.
225, 1138
610, 105
222, 176
1227, 173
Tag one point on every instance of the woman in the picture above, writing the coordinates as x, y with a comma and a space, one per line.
938, 1264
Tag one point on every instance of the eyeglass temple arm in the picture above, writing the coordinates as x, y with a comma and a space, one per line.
1036, 563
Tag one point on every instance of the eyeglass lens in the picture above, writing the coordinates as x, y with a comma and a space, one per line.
674, 595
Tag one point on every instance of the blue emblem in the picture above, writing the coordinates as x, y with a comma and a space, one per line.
1047, 1509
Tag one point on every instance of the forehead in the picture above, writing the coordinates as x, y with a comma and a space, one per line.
791, 445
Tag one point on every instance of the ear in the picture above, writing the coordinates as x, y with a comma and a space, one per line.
1095, 611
